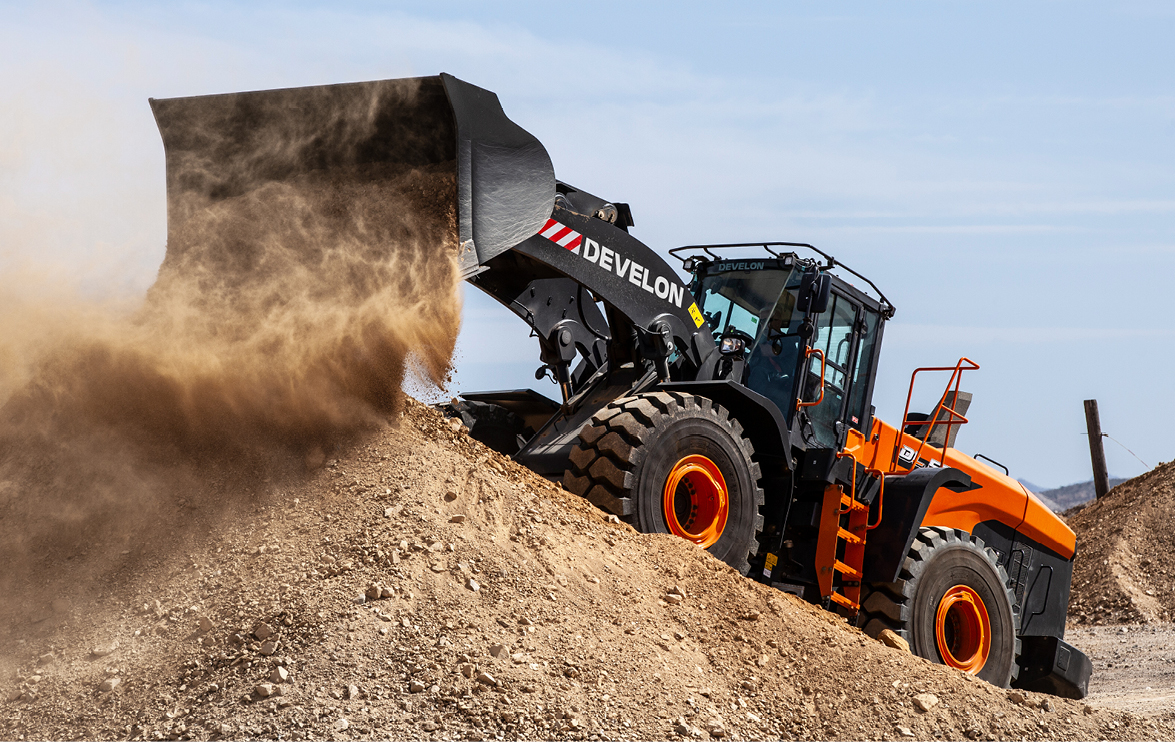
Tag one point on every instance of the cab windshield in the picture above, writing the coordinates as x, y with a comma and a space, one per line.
760, 303
740, 300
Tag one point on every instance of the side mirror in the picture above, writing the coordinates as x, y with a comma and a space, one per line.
814, 291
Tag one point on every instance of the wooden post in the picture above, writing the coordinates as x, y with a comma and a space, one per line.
1097, 453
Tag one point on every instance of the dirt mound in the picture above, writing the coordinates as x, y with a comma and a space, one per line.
507, 608
1125, 567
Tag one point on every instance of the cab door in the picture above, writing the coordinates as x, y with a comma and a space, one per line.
846, 334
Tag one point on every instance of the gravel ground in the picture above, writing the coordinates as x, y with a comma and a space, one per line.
1133, 666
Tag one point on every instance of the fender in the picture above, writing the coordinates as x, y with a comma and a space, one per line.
904, 505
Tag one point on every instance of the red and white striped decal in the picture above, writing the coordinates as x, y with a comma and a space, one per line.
561, 235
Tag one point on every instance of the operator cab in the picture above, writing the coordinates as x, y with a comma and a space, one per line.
794, 332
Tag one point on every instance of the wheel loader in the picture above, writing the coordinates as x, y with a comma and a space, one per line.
733, 409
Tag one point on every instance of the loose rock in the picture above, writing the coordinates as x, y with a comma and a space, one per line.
1020, 698
925, 701
890, 639
279, 675
682, 727
103, 650
265, 690
109, 684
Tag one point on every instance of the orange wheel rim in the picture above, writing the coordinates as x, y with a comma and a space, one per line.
963, 630
696, 501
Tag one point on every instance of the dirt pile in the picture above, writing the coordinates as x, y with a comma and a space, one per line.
1125, 567
506, 608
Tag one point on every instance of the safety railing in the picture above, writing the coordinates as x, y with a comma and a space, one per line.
954, 417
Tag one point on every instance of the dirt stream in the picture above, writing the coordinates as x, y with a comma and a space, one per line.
508, 607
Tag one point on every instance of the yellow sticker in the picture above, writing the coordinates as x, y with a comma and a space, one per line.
769, 564
693, 312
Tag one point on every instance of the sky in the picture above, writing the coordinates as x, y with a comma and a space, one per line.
1004, 171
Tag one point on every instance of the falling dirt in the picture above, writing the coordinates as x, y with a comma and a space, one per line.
283, 323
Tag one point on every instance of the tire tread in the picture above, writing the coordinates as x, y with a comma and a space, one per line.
890, 605
609, 449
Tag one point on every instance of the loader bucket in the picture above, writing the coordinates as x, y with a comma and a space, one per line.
222, 146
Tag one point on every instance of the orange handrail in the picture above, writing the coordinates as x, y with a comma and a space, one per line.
853, 489
819, 399
954, 418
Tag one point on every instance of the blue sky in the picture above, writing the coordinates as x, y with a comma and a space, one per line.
1005, 172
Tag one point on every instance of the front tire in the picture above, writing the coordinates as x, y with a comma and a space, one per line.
951, 602
668, 462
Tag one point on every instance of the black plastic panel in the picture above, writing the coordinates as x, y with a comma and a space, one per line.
1050, 665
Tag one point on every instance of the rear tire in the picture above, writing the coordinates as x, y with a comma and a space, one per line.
950, 594
668, 462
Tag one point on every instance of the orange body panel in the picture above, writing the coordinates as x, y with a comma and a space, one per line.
998, 497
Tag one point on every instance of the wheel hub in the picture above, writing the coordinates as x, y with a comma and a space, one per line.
696, 501
963, 630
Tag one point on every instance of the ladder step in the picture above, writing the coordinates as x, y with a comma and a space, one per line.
851, 504
842, 600
846, 570
849, 537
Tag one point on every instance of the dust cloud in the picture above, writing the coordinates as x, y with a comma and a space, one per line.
285, 316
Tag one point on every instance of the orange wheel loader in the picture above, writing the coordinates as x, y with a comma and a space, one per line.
732, 408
